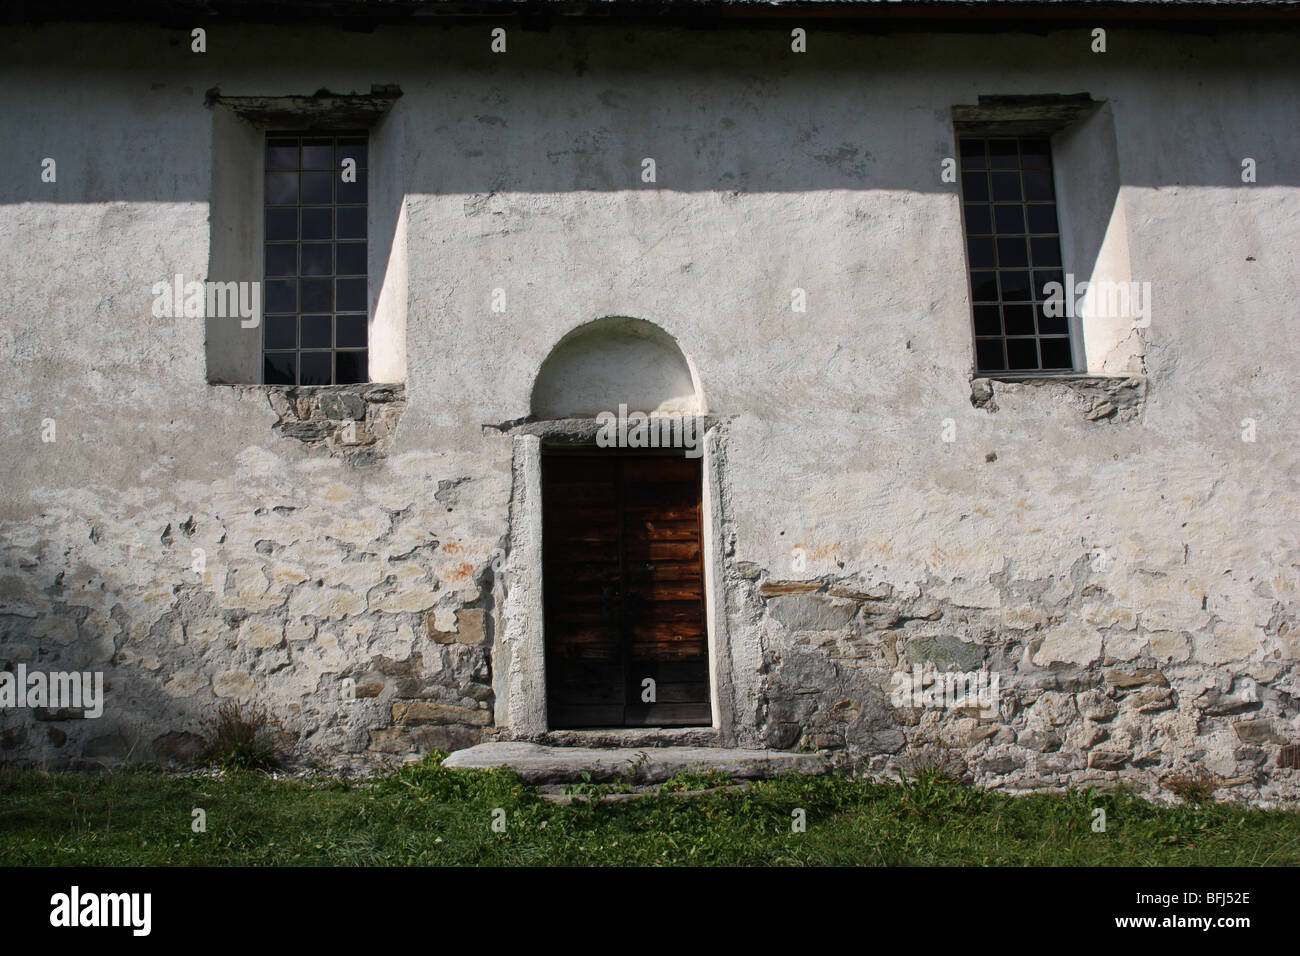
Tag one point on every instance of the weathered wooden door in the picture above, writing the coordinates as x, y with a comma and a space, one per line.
623, 587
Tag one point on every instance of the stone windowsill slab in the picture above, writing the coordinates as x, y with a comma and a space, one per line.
1101, 398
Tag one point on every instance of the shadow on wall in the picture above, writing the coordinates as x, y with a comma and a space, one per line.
729, 111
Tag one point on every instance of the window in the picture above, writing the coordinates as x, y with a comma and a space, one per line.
316, 306
1013, 250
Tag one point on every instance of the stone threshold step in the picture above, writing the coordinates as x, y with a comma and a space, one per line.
538, 765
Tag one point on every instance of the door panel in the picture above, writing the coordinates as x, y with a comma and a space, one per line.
624, 591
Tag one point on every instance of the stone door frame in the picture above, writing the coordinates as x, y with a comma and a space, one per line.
519, 647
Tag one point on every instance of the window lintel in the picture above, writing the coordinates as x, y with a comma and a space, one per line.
321, 109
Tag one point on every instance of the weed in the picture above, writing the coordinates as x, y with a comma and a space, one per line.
687, 780
1195, 788
239, 739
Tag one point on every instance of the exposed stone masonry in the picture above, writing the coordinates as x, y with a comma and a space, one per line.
1098, 398
1091, 688
354, 422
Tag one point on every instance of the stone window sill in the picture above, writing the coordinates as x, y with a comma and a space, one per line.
353, 422
1100, 398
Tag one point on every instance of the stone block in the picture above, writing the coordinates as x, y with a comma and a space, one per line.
811, 612
429, 712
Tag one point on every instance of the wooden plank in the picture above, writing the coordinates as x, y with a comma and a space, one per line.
651, 513
651, 551
665, 591
693, 692
652, 632
664, 468
668, 715
675, 672
561, 715
650, 530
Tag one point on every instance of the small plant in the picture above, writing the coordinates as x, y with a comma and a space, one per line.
686, 781
238, 739
932, 761
635, 766
586, 787
1195, 788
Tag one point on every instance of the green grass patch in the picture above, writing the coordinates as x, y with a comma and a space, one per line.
427, 815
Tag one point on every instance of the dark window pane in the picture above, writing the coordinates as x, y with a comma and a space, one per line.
316, 258
281, 224
281, 189
317, 189
317, 295
281, 295
1022, 354
1052, 325
988, 355
1012, 253
1006, 187
317, 154
1015, 286
1042, 217
1056, 353
352, 223
1044, 276
281, 331
277, 368
351, 148
975, 187
987, 320
351, 367
351, 295
984, 286
351, 259
1035, 153
350, 331
352, 192
1003, 154
972, 153
1009, 219
318, 223
1038, 185
1047, 251
315, 368
282, 260
980, 252
978, 220
281, 154
316, 331
1019, 319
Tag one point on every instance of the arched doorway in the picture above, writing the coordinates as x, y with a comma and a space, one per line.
625, 618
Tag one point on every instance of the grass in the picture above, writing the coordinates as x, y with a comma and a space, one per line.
426, 815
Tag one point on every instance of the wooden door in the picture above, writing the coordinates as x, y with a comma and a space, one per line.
623, 588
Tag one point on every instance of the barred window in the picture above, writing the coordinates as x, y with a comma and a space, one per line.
1013, 250
316, 305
